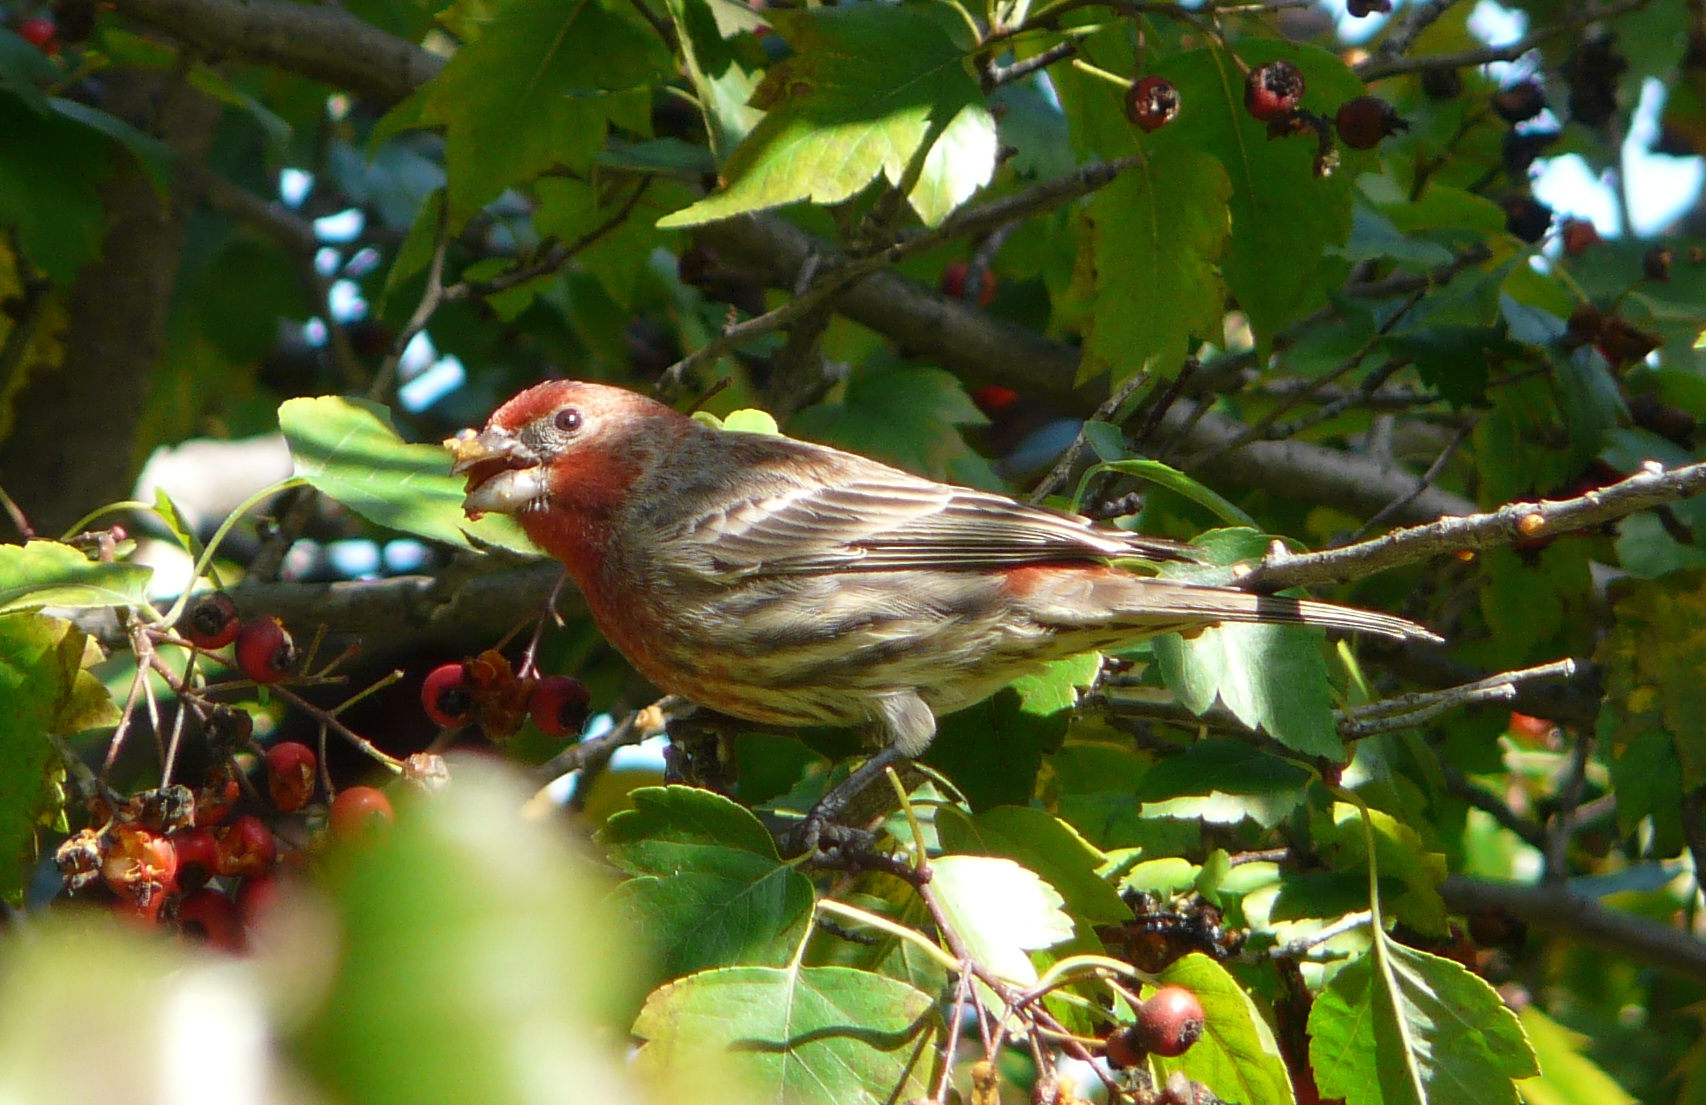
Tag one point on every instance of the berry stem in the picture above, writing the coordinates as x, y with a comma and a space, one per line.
1101, 74
329, 720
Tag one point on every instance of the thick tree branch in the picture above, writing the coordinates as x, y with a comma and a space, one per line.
322, 42
1556, 910
1381, 66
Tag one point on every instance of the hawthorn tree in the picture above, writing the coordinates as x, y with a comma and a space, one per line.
1205, 270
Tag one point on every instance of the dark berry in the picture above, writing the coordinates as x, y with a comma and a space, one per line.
1656, 262
1364, 121
247, 849
448, 695
695, 264
558, 705
290, 774
198, 857
357, 812
1593, 71
1442, 84
1169, 1022
1152, 102
40, 33
1273, 90
1578, 235
265, 652
1520, 102
1121, 1049
1363, 8
212, 621
956, 276
1527, 218
210, 916
1521, 148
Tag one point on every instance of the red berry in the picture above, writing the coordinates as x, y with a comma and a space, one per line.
953, 283
290, 774
1578, 235
448, 695
1121, 1049
1531, 730
265, 652
1169, 1022
247, 849
358, 812
1362, 8
1364, 121
198, 857
1152, 102
212, 621
213, 801
1273, 90
141, 867
1520, 102
991, 398
558, 705
256, 898
40, 33
211, 916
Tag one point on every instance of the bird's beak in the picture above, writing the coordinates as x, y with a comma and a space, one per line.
504, 475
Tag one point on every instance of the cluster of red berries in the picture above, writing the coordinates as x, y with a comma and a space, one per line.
485, 689
265, 651
173, 857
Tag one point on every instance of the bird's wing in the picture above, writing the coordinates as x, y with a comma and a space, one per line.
869, 517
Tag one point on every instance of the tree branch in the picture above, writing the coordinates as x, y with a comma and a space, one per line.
1383, 66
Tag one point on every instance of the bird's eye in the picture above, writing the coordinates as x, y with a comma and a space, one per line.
568, 420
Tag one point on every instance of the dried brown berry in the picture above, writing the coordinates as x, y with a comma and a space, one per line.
1152, 103
1364, 121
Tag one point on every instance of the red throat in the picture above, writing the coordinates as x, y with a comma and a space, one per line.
576, 528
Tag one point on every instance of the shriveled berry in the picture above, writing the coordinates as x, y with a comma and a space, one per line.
141, 867
212, 621
1520, 102
210, 916
214, 800
956, 277
290, 774
1360, 9
1578, 236
265, 652
247, 849
1656, 262
448, 695
198, 857
1152, 103
558, 705
1273, 90
1527, 218
359, 812
1169, 1022
1521, 147
1364, 121
80, 858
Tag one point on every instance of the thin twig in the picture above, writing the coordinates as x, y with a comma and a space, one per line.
1426, 481
1295, 949
1562, 821
1062, 470
1378, 67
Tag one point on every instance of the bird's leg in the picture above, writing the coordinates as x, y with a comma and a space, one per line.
907, 726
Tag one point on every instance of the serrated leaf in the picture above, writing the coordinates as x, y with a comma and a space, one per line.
47, 573
348, 449
45, 689
49, 169
902, 415
1154, 237
709, 889
803, 1035
1044, 844
1001, 910
1237, 1056
723, 83
1224, 781
538, 88
869, 88
1278, 262
154, 157
1415, 1029
1399, 854
1652, 658
992, 750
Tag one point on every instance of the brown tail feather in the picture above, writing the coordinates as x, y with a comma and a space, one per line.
1159, 600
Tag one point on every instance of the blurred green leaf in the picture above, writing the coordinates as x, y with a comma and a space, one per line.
1400, 854
1652, 658
348, 449
1224, 781
1567, 1077
802, 1035
1237, 1056
1042, 843
49, 170
1002, 911
905, 416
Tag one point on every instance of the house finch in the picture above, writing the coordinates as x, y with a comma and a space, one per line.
793, 584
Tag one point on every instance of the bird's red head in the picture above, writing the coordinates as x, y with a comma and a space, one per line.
560, 457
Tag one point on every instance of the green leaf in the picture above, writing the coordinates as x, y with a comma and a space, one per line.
1652, 658
1237, 1056
49, 169
1278, 261
801, 1035
539, 88
476, 959
709, 889
47, 573
1567, 1077
1224, 781
151, 154
1401, 1027
348, 449
1155, 235
869, 89
1001, 910
46, 690
1399, 854
24, 69
992, 750
1044, 844
724, 81
1165, 475
904, 416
